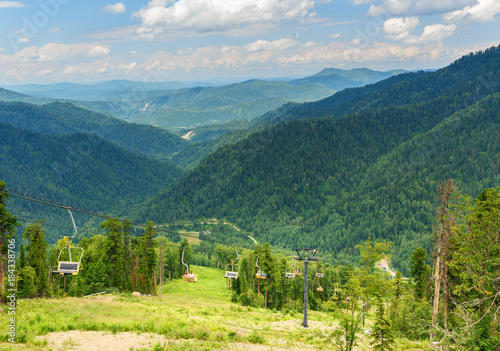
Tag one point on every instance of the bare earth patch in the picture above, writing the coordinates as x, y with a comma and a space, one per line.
96, 341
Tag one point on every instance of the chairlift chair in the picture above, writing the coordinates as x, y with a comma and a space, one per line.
319, 275
259, 274
188, 276
297, 270
289, 273
232, 269
69, 267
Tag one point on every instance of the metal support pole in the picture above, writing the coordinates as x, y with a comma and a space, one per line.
306, 256
306, 293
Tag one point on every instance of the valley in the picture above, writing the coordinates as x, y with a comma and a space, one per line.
373, 176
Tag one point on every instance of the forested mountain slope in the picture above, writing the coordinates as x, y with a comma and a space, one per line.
80, 170
61, 118
332, 182
470, 79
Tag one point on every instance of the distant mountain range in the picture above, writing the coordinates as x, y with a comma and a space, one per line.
169, 105
362, 163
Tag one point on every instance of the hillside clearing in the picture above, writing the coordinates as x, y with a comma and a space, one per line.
187, 316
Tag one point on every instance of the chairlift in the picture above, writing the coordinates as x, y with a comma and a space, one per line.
233, 269
289, 273
188, 276
259, 274
319, 275
69, 267
297, 270
319, 272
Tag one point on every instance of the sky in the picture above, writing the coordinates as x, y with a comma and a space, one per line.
84, 41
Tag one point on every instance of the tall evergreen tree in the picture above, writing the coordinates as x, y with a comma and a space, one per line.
114, 252
147, 258
8, 225
37, 253
381, 335
419, 271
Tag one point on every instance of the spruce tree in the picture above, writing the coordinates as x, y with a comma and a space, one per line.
381, 335
37, 251
419, 271
147, 258
114, 252
8, 225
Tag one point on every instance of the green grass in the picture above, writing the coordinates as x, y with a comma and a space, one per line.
191, 316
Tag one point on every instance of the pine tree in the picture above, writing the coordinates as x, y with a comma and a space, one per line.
37, 251
147, 258
114, 252
8, 225
381, 335
419, 271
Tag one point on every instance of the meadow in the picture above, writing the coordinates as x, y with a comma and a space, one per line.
185, 317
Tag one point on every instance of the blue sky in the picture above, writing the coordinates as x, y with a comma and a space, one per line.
48, 41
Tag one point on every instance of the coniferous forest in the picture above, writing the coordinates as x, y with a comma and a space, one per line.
403, 171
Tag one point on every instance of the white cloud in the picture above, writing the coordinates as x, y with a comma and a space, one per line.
116, 8
432, 33
437, 32
276, 45
428, 7
44, 72
483, 11
335, 36
99, 50
399, 28
54, 30
10, 4
89, 68
392, 7
23, 40
61, 52
219, 15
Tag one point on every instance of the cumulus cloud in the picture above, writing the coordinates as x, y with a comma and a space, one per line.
54, 30
88, 68
98, 51
432, 33
393, 7
428, 7
400, 28
9, 4
276, 45
218, 15
59, 52
119, 7
483, 11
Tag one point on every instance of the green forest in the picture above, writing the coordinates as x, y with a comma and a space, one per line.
455, 301
403, 170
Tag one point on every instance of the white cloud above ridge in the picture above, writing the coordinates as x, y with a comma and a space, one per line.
392, 7
276, 45
432, 33
398, 28
428, 7
11, 4
482, 12
117, 8
220, 15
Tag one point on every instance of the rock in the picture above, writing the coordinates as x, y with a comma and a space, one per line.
136, 293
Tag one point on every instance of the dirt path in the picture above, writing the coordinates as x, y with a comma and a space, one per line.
383, 264
255, 241
95, 341
188, 135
